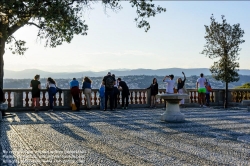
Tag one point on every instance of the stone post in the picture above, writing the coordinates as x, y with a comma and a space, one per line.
18, 99
67, 99
148, 97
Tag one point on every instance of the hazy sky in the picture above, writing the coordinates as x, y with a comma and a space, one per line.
175, 39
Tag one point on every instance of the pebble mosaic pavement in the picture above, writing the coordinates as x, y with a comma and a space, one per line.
127, 137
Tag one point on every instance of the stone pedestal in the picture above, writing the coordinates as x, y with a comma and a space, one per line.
172, 113
3, 107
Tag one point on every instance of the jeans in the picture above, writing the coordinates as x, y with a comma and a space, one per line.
207, 99
116, 92
52, 92
125, 96
109, 95
102, 102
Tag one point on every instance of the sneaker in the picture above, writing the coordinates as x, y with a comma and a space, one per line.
50, 110
204, 106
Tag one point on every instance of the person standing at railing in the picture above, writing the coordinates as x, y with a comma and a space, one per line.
125, 92
154, 91
200, 86
116, 92
208, 90
102, 96
51, 86
180, 86
36, 86
109, 83
170, 85
86, 88
75, 92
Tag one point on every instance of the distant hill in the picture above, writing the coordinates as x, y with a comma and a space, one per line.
30, 73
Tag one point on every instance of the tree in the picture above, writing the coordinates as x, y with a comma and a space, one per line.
222, 42
244, 86
57, 20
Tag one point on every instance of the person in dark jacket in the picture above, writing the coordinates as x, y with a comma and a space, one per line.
154, 91
125, 92
36, 86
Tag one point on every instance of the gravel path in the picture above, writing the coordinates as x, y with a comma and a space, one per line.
127, 137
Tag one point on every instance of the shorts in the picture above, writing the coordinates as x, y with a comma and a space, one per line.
202, 90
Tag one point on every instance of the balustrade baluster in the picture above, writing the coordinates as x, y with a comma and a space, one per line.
144, 98
60, 99
9, 98
212, 97
44, 98
131, 98
140, 98
136, 98
191, 97
95, 98
27, 99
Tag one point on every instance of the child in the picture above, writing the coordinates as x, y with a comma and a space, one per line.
102, 96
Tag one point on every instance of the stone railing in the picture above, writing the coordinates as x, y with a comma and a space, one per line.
20, 99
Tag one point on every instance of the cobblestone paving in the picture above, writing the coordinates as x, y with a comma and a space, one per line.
127, 137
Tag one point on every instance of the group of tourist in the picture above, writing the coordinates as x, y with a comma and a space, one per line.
109, 90
202, 85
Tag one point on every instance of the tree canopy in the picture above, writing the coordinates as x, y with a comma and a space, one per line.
244, 86
58, 20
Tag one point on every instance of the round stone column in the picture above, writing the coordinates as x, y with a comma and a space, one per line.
172, 113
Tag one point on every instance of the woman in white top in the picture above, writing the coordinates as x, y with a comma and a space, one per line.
51, 86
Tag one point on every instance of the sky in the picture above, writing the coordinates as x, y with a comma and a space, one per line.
175, 39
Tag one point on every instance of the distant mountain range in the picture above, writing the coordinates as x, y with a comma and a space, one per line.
30, 73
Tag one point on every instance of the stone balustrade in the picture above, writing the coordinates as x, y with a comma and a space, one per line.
20, 99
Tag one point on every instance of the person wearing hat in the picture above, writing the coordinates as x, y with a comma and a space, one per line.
109, 83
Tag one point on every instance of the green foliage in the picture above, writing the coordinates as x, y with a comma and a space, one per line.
244, 86
222, 41
59, 20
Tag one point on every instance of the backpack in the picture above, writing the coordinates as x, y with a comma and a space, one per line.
109, 82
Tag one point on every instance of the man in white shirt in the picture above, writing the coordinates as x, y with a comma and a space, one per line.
170, 83
200, 86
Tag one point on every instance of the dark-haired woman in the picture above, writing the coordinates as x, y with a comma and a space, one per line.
51, 86
86, 88
154, 91
180, 87
36, 86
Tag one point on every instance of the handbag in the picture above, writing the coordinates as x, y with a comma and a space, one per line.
209, 89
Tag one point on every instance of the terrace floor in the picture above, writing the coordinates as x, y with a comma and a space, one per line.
127, 137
